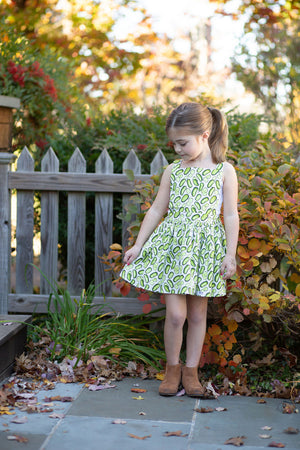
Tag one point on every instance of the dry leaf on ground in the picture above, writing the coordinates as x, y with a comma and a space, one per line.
220, 408
100, 387
237, 441
58, 398
23, 419
17, 438
56, 416
265, 436
204, 410
138, 398
266, 428
175, 433
138, 437
288, 408
138, 390
276, 445
291, 430
119, 421
261, 400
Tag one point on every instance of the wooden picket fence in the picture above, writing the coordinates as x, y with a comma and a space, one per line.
76, 182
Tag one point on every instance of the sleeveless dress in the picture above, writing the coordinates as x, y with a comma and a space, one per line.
184, 253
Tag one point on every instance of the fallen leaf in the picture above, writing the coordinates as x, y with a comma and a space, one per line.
138, 437
291, 430
160, 376
56, 416
174, 433
138, 390
23, 419
276, 445
288, 408
5, 410
265, 436
142, 413
17, 438
180, 393
266, 428
219, 409
101, 387
237, 441
58, 398
261, 400
204, 410
138, 398
119, 421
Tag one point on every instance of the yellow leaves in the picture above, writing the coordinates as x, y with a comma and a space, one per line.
160, 376
295, 278
116, 247
297, 292
254, 244
115, 350
230, 324
242, 252
5, 410
214, 330
274, 297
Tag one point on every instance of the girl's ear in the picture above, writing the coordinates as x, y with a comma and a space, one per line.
205, 135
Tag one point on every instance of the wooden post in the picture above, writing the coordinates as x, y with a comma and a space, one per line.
103, 227
76, 229
5, 246
49, 227
132, 163
24, 233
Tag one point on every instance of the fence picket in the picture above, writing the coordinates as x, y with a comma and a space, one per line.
159, 161
103, 226
132, 163
76, 229
24, 232
49, 226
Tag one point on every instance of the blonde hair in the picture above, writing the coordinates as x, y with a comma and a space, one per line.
198, 119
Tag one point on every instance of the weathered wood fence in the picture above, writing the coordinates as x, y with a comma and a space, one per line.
76, 182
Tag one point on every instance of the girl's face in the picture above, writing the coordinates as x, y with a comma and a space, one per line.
189, 147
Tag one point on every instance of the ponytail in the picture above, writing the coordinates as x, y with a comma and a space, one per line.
198, 119
218, 138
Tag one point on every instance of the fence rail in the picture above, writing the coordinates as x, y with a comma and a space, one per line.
76, 182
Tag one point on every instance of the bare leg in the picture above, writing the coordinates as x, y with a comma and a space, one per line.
176, 310
196, 316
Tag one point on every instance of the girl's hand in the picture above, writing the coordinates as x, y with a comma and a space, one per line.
131, 254
228, 267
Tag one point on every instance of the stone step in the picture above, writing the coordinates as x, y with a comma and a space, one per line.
13, 336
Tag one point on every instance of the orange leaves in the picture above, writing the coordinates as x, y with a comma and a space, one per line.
125, 289
254, 244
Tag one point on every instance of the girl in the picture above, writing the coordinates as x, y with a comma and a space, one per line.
189, 255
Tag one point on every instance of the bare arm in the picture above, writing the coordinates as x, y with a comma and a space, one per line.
231, 220
153, 216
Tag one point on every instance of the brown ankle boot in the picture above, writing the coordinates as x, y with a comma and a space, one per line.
170, 384
190, 382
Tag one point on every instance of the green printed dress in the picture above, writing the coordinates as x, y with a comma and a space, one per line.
184, 253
